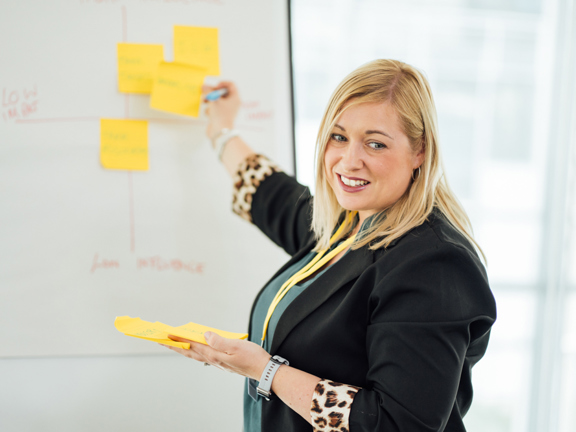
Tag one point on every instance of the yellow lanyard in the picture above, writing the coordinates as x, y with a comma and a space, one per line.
308, 270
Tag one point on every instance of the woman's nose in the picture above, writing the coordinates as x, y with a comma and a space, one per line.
353, 157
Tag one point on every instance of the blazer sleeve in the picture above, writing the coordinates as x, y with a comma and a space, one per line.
275, 202
429, 323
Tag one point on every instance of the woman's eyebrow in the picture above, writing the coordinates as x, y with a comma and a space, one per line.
368, 132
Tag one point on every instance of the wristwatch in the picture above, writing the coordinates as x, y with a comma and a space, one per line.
222, 139
270, 370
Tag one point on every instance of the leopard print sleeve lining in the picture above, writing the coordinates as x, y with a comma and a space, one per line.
251, 172
331, 404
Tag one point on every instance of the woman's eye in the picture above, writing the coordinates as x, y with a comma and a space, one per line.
376, 145
338, 137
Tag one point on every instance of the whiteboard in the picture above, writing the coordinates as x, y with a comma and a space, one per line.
80, 244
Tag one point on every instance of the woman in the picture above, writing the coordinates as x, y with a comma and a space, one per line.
384, 306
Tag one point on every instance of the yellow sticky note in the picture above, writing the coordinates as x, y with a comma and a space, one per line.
124, 144
195, 332
158, 332
197, 46
178, 89
137, 65
165, 341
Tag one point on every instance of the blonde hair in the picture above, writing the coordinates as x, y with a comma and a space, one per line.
408, 92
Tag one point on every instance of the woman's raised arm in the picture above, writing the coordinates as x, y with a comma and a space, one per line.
221, 115
281, 208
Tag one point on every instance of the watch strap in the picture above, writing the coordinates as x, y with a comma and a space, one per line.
265, 384
222, 139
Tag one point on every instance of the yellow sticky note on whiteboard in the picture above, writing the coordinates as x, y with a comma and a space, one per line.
178, 89
137, 65
197, 46
124, 144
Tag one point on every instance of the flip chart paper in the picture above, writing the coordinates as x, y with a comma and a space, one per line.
158, 332
197, 46
178, 89
124, 144
137, 65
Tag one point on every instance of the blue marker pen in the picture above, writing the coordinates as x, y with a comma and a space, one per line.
216, 94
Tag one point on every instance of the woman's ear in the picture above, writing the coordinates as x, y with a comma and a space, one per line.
419, 157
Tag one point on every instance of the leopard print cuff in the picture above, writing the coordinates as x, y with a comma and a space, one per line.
331, 404
251, 172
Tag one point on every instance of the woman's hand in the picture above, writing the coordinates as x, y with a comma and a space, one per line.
238, 356
294, 387
222, 112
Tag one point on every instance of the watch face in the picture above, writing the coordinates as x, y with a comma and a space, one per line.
279, 360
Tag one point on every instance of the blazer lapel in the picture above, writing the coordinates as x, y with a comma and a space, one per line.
349, 267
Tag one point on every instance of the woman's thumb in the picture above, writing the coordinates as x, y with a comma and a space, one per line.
211, 338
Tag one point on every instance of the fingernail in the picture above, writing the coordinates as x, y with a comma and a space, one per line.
207, 336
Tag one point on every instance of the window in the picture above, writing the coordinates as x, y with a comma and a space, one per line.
503, 77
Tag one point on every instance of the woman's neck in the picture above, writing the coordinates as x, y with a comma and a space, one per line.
362, 216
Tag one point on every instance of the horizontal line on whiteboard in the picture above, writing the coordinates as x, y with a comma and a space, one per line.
156, 120
74, 119
57, 119
82, 356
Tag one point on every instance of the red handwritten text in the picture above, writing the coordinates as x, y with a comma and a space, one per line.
161, 264
103, 264
251, 104
254, 110
261, 115
18, 104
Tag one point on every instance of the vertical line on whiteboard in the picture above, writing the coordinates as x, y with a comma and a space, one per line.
126, 115
124, 25
132, 228
125, 39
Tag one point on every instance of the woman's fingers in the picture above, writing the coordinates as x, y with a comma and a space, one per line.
207, 89
186, 352
232, 90
228, 85
219, 343
197, 351
238, 356
222, 112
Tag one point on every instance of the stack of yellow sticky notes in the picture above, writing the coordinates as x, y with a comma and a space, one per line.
174, 87
158, 332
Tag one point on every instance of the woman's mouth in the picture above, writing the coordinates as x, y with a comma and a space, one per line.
352, 184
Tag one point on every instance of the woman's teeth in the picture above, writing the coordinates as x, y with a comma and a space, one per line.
353, 183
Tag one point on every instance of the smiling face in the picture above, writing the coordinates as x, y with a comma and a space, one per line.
368, 159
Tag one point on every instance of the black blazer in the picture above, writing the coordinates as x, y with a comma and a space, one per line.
405, 323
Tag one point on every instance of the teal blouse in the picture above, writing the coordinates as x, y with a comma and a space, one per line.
252, 408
